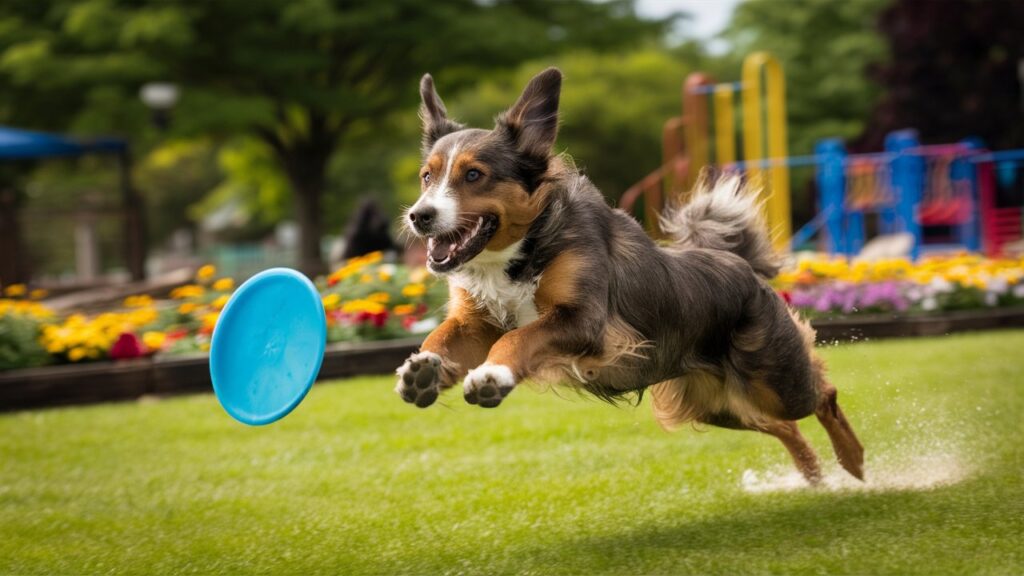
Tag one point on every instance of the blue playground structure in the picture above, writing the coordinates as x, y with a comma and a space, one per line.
943, 196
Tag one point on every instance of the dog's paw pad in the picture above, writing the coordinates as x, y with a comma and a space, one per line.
488, 385
419, 379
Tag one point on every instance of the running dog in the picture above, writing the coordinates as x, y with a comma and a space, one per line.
550, 284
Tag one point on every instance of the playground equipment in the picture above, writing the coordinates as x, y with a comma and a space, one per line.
945, 197
687, 149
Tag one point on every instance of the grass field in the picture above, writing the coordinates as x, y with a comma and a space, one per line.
357, 482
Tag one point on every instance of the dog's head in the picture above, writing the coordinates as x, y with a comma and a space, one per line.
479, 187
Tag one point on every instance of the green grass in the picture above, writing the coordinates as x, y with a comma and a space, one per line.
356, 482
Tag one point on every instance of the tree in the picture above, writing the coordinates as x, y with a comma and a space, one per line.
612, 106
953, 72
298, 74
825, 48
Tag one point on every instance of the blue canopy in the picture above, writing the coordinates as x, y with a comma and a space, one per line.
22, 144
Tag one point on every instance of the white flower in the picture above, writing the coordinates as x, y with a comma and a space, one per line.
998, 285
939, 285
1018, 290
991, 298
929, 303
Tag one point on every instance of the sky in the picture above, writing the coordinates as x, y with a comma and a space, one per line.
708, 17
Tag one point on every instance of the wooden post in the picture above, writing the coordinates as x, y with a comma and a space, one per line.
13, 262
134, 220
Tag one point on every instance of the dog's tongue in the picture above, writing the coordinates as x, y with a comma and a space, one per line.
440, 250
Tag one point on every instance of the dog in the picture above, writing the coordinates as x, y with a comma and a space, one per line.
550, 284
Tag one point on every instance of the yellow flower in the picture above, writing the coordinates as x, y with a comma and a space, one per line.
379, 297
38, 294
331, 301
356, 306
187, 291
403, 309
419, 275
210, 319
220, 302
138, 301
365, 279
384, 275
77, 353
414, 290
224, 285
206, 272
187, 308
154, 340
15, 290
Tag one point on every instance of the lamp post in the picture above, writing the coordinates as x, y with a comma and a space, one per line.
160, 98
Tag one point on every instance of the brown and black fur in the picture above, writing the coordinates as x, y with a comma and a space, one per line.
695, 322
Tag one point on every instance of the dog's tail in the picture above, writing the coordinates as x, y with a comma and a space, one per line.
724, 215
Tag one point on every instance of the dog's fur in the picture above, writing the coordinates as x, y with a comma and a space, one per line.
550, 284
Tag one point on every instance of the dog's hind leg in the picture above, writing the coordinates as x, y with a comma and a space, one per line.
803, 455
844, 441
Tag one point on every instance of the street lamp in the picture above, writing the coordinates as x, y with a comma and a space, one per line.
160, 98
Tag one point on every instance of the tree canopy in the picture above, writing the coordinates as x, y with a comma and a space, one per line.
301, 75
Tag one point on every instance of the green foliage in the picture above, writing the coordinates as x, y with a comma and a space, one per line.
173, 177
612, 110
19, 342
357, 482
825, 48
253, 190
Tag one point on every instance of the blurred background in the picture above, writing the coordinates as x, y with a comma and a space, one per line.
140, 137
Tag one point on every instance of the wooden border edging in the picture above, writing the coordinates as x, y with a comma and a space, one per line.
888, 326
132, 379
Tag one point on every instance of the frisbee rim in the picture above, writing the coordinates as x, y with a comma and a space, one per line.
218, 342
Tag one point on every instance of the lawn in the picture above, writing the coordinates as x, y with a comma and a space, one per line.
357, 482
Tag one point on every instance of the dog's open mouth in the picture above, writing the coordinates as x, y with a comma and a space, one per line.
449, 251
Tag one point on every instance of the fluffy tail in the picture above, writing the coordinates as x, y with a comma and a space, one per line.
724, 215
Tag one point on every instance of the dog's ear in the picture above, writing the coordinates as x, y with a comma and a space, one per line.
434, 115
532, 122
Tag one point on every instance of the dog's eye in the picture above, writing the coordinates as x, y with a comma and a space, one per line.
426, 178
473, 175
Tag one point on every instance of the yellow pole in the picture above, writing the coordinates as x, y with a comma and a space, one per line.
695, 113
777, 205
725, 125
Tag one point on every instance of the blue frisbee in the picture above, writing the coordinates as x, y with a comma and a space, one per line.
267, 346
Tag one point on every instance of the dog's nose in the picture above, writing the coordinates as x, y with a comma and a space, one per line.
423, 217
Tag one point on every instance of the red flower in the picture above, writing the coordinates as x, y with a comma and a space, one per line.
786, 296
408, 321
380, 319
127, 346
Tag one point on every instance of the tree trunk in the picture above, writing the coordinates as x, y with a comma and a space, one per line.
307, 191
13, 262
305, 163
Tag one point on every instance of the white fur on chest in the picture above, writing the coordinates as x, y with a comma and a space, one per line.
510, 304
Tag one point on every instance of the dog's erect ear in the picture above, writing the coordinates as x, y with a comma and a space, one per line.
435, 117
532, 122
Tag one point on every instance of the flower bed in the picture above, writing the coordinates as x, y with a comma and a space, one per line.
370, 299
366, 299
829, 287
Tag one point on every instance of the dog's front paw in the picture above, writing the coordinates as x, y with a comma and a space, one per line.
488, 385
419, 379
